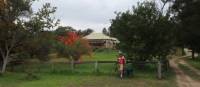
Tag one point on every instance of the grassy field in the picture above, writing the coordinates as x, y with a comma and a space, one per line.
189, 72
105, 55
195, 63
60, 75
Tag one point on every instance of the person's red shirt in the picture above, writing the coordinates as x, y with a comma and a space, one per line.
121, 60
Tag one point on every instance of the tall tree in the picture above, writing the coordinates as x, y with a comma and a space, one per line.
85, 32
11, 29
18, 36
188, 17
105, 31
69, 46
62, 30
145, 33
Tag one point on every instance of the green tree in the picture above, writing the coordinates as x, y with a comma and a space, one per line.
11, 29
40, 38
105, 31
23, 37
188, 16
145, 33
72, 46
61, 30
84, 32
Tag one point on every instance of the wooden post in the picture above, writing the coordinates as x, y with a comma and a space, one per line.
159, 70
96, 66
52, 67
193, 54
72, 64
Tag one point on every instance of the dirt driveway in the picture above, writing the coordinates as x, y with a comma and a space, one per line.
183, 80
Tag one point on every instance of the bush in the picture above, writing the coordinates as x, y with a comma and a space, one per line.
71, 45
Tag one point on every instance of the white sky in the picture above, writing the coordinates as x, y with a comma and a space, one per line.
83, 14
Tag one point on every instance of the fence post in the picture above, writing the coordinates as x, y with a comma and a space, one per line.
96, 66
72, 64
52, 67
159, 70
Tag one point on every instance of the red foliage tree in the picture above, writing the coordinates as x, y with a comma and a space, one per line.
78, 46
69, 39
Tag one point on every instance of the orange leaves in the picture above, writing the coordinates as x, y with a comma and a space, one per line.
69, 39
77, 46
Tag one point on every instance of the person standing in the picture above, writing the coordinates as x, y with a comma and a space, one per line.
121, 62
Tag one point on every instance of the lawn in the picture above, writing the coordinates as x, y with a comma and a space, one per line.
189, 72
60, 75
195, 63
104, 55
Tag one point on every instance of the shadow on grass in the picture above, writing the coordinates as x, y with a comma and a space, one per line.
194, 62
189, 72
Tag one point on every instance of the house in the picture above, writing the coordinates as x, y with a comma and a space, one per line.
100, 40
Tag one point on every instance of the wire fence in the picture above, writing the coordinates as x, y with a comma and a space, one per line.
106, 67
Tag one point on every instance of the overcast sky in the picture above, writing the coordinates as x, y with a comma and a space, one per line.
83, 14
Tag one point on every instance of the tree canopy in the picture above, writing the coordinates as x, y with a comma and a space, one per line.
144, 32
188, 16
72, 46
22, 32
105, 31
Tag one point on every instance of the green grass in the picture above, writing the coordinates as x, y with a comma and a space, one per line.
51, 80
195, 63
60, 75
105, 55
84, 76
189, 72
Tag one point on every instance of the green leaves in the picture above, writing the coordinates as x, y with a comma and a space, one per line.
145, 33
188, 17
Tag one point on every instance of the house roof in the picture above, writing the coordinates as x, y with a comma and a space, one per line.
100, 36
97, 36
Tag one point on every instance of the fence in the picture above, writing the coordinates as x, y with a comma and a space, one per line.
96, 65
70, 66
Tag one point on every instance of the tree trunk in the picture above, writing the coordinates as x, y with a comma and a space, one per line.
193, 54
1, 63
183, 52
5, 61
159, 70
72, 65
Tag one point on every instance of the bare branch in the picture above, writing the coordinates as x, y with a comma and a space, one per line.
12, 42
164, 3
2, 53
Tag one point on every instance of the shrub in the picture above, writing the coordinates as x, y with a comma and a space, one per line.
71, 45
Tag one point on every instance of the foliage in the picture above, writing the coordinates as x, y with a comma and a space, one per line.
105, 31
188, 16
12, 32
71, 45
145, 33
61, 30
22, 32
86, 32
69, 39
38, 44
